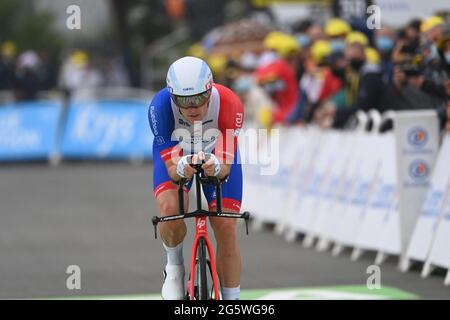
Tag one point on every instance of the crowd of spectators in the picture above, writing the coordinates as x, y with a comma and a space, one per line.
317, 73
28, 73
325, 74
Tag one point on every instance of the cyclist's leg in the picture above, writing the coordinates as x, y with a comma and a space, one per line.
172, 233
225, 231
166, 194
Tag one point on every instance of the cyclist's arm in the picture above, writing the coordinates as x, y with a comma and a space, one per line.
161, 123
172, 170
231, 119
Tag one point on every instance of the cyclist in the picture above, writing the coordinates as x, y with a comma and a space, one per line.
190, 116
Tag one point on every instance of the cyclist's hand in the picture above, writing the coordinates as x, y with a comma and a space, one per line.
184, 169
212, 166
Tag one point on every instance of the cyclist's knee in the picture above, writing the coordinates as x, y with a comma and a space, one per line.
224, 228
168, 208
168, 202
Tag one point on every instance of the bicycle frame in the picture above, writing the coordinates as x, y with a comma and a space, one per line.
202, 232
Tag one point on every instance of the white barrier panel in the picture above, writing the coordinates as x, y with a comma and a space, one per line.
310, 198
389, 239
334, 157
416, 134
265, 190
335, 190
365, 177
249, 169
250, 186
440, 250
346, 188
428, 219
299, 140
433, 225
337, 159
250, 145
374, 219
275, 197
308, 162
256, 185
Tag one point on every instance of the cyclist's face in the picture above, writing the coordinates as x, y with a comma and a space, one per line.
195, 113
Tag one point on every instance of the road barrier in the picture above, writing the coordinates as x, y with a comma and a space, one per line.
28, 131
107, 130
95, 125
367, 191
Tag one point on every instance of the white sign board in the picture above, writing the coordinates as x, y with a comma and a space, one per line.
383, 198
416, 135
439, 254
366, 176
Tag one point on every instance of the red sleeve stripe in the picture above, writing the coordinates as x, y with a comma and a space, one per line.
168, 153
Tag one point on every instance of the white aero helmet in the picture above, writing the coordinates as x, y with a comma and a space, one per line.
189, 76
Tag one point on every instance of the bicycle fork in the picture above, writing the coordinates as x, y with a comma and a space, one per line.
201, 232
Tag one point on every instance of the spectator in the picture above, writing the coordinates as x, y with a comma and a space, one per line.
27, 78
7, 65
278, 75
77, 73
115, 74
336, 30
432, 29
317, 84
435, 74
363, 89
257, 104
384, 42
443, 46
405, 93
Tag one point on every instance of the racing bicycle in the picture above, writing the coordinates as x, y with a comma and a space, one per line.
199, 286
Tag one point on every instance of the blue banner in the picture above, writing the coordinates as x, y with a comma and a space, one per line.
28, 131
107, 130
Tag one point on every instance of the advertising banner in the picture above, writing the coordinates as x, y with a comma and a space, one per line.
28, 131
416, 135
107, 130
437, 210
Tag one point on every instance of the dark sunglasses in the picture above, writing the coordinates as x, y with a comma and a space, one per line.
195, 101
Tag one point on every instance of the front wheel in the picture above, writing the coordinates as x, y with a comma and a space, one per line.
201, 271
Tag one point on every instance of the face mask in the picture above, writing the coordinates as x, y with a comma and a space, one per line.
384, 43
433, 54
447, 57
356, 64
243, 84
303, 40
338, 72
337, 45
